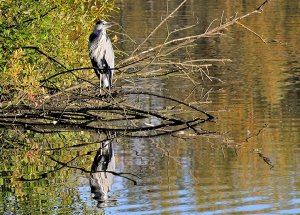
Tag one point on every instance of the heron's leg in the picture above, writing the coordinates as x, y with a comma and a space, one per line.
111, 77
109, 82
109, 91
100, 83
109, 88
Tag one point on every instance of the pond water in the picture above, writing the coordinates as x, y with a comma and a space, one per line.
251, 167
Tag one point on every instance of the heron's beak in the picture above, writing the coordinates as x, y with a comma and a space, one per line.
108, 24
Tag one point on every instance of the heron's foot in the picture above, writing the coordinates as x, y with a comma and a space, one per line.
106, 93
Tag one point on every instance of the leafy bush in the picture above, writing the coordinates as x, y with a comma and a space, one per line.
41, 38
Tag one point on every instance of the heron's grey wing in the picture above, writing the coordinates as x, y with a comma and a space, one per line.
104, 64
92, 43
107, 72
109, 53
109, 60
96, 65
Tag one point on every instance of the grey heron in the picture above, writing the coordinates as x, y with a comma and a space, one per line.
102, 54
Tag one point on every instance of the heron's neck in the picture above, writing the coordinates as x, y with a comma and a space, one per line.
100, 31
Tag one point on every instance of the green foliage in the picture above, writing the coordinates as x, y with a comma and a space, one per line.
33, 33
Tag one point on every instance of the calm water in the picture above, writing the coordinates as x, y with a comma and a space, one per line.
260, 93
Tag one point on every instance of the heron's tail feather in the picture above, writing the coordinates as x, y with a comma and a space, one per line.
106, 79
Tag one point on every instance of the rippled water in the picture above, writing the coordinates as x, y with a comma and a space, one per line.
259, 94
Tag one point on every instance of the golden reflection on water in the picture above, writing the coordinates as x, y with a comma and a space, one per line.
256, 92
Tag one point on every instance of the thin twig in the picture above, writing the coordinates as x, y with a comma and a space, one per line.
160, 24
32, 19
43, 53
256, 34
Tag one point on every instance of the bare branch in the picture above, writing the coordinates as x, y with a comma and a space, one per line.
160, 24
43, 53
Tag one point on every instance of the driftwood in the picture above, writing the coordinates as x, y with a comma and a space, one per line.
104, 115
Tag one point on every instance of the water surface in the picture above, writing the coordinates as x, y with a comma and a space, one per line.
259, 97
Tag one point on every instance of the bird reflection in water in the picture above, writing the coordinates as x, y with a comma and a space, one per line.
101, 180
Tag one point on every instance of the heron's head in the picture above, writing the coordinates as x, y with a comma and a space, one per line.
100, 25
